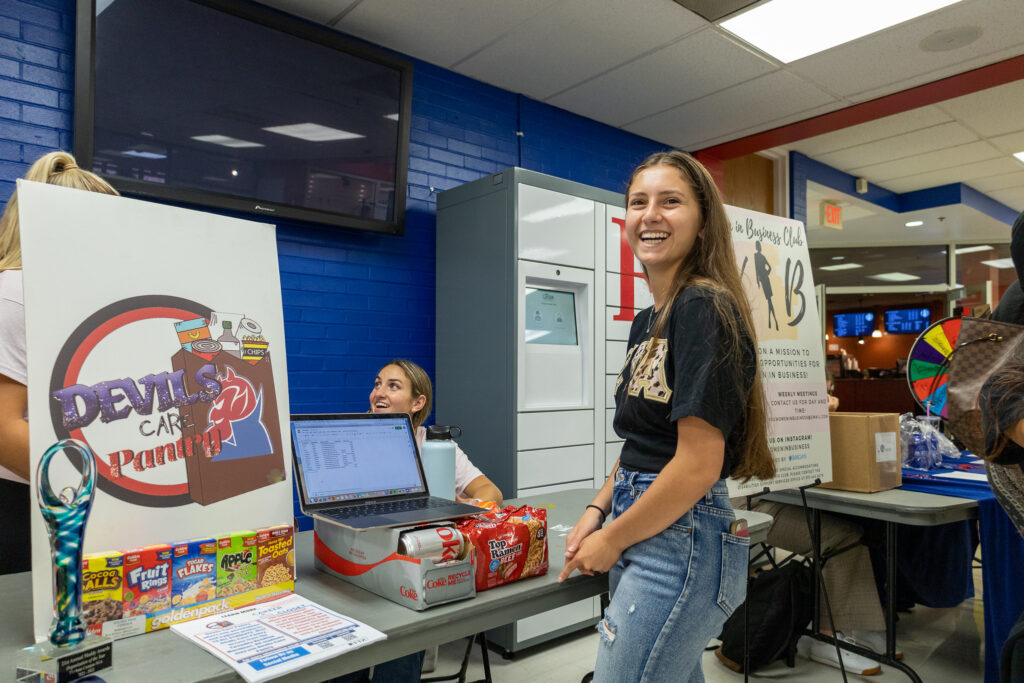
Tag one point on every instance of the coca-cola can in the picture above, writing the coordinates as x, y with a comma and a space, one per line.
439, 544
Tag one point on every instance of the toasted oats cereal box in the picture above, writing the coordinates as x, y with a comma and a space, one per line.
102, 600
193, 571
147, 579
276, 561
236, 563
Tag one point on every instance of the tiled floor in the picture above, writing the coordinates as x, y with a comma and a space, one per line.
942, 645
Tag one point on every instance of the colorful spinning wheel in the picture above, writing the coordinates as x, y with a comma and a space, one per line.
928, 365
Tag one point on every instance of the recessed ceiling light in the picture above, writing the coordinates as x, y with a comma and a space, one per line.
226, 141
841, 266
791, 29
838, 258
313, 132
393, 117
142, 154
1000, 263
877, 333
914, 224
1020, 156
971, 250
895, 277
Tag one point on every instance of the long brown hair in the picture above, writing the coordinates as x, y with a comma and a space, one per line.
1000, 405
55, 168
419, 385
711, 263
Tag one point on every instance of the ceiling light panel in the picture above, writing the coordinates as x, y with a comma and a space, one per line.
895, 277
842, 266
313, 132
1000, 263
226, 141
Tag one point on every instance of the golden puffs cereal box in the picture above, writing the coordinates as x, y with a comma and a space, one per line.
102, 600
193, 571
276, 555
147, 579
236, 563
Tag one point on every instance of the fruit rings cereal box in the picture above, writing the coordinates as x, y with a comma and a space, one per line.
147, 579
194, 571
510, 545
236, 563
102, 574
276, 561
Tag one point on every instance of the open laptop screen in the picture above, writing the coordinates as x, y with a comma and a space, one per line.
358, 457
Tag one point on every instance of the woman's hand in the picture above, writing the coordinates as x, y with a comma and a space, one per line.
590, 521
596, 554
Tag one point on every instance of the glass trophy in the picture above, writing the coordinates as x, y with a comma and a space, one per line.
70, 652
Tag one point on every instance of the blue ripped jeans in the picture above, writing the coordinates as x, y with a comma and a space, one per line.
672, 592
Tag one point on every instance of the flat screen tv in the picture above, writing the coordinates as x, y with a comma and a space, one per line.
853, 324
239, 107
907, 320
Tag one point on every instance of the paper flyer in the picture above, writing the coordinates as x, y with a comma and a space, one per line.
262, 642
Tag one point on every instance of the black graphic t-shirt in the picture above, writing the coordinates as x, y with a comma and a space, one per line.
688, 374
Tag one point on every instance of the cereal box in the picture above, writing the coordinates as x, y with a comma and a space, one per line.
147, 579
510, 545
102, 600
236, 563
193, 571
276, 562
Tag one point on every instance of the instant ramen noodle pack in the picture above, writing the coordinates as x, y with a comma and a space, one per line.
510, 545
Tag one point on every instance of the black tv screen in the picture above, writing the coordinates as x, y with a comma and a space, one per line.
853, 324
907, 320
235, 106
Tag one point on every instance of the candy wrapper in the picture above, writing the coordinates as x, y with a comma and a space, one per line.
510, 545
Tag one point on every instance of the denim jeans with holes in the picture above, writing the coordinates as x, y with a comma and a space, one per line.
672, 592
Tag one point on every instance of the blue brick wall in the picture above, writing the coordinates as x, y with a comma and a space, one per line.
352, 300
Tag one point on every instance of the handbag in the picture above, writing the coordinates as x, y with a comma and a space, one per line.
982, 347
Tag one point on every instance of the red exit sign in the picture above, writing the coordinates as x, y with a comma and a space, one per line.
831, 216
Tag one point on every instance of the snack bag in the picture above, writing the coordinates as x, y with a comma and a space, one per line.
276, 555
147, 579
102, 600
236, 563
194, 570
510, 545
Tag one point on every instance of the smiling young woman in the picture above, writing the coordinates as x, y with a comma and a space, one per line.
690, 406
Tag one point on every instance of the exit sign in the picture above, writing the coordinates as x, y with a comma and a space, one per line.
831, 216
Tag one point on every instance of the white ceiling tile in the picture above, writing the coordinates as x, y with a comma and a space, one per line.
439, 31
575, 40
918, 164
1012, 197
958, 174
1010, 143
699, 64
885, 127
893, 56
773, 96
909, 144
990, 112
1003, 181
319, 11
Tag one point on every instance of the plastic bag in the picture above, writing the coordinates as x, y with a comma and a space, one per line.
924, 445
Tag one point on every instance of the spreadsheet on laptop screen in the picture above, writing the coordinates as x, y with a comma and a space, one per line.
352, 459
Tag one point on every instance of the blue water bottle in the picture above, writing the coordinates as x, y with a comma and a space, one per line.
439, 460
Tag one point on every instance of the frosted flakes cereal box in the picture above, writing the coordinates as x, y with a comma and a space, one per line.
102, 599
147, 579
236, 563
276, 555
193, 571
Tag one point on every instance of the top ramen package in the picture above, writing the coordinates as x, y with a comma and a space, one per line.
147, 579
195, 571
511, 544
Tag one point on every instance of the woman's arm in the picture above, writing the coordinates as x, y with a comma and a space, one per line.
591, 520
13, 427
692, 471
483, 488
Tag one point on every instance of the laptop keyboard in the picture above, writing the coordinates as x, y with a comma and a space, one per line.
385, 508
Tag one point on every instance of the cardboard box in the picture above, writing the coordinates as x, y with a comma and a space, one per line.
865, 452
370, 559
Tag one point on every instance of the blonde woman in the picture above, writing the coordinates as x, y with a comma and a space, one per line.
55, 168
690, 406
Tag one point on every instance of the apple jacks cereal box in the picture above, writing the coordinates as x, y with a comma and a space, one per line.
276, 563
194, 570
147, 579
102, 575
236, 563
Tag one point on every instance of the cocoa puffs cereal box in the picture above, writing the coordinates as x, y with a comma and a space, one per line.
147, 579
236, 563
102, 599
276, 555
194, 571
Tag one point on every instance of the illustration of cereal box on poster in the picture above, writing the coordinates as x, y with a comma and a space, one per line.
775, 268
156, 337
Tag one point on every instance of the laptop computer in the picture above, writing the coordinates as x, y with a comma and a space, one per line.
363, 471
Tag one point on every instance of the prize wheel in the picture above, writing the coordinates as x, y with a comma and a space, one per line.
928, 365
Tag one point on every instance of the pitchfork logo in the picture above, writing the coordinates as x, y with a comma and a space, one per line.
237, 414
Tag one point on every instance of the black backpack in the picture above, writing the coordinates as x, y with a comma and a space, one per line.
781, 604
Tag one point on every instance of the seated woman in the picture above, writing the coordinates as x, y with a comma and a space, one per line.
401, 386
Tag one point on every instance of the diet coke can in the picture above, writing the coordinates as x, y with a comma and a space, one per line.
439, 544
